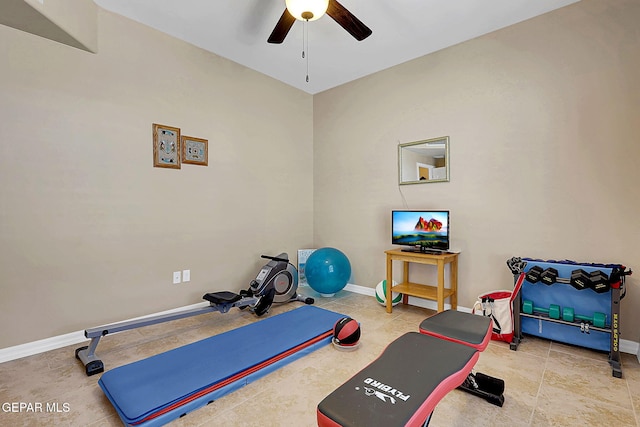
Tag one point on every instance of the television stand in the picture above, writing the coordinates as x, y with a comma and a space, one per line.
436, 293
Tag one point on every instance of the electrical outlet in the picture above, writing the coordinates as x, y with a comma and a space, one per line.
186, 275
176, 277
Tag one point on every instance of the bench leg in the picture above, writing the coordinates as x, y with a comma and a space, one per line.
489, 388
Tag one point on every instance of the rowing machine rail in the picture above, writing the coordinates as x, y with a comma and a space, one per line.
276, 282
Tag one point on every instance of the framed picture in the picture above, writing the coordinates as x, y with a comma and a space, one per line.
166, 146
195, 151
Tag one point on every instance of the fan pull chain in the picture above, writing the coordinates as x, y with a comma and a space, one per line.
304, 31
305, 45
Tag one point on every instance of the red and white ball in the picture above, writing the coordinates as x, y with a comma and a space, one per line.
346, 333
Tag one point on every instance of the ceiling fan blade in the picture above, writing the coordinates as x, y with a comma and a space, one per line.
282, 28
348, 21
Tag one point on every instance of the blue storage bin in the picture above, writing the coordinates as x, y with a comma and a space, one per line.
585, 302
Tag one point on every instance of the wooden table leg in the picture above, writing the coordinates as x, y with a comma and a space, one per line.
389, 283
440, 292
405, 279
453, 266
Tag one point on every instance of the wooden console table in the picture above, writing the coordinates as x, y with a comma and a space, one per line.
436, 293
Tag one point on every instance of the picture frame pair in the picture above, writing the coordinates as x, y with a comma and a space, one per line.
171, 149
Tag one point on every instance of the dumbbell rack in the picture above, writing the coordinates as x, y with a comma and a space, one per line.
585, 327
585, 301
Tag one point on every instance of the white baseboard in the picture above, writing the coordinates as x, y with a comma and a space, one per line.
53, 343
40, 346
363, 290
630, 347
47, 344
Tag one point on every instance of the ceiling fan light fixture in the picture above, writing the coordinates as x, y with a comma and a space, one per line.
307, 10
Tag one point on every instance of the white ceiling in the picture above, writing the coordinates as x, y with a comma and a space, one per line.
402, 30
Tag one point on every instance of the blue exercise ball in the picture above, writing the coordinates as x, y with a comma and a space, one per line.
328, 270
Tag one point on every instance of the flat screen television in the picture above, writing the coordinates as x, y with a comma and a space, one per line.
424, 231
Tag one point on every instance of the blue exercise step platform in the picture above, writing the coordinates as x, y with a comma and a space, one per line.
161, 388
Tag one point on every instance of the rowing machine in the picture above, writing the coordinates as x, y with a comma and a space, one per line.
277, 282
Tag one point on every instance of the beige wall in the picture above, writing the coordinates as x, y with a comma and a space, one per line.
90, 232
543, 121
543, 124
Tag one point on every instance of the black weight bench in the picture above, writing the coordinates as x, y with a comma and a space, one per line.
470, 330
405, 383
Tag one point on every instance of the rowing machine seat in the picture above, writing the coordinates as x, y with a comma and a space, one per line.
222, 297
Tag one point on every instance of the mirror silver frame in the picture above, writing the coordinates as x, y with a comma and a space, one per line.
431, 151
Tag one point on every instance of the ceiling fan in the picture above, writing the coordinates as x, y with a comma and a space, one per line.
310, 10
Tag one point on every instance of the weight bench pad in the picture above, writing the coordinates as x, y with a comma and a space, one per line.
402, 386
456, 326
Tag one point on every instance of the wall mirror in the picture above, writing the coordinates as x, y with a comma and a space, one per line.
422, 162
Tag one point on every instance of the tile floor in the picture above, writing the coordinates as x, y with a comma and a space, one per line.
547, 383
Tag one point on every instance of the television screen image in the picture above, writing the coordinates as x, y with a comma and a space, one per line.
425, 230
